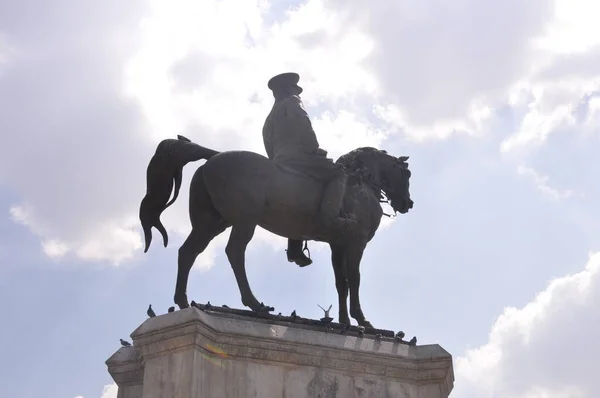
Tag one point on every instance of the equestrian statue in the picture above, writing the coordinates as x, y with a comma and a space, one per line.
297, 193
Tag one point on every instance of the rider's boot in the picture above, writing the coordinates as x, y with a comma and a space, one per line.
331, 204
295, 254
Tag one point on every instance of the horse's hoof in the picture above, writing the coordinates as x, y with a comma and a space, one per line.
263, 309
366, 324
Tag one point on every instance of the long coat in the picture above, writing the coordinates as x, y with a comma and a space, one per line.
291, 141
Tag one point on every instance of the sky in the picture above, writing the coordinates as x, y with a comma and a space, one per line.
496, 103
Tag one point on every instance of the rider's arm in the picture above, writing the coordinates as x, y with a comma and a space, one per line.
297, 116
266, 133
295, 110
268, 146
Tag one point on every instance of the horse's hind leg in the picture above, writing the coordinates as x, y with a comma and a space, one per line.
236, 253
206, 224
195, 244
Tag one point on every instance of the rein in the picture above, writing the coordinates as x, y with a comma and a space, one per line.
387, 200
364, 175
355, 167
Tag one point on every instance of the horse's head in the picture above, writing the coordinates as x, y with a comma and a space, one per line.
395, 182
384, 172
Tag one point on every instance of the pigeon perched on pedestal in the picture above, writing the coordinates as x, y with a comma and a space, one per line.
361, 331
150, 312
399, 336
125, 343
326, 318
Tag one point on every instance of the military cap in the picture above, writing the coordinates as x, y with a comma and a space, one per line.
288, 79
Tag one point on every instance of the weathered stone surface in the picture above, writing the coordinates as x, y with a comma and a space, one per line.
126, 369
194, 354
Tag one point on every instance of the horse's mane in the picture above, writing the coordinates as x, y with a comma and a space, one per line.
354, 165
353, 160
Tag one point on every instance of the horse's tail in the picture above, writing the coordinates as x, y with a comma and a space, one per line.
164, 169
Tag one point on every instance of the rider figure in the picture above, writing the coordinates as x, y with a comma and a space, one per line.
289, 139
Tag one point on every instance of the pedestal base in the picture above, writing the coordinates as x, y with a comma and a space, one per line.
195, 354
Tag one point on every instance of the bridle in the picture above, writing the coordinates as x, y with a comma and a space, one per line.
356, 168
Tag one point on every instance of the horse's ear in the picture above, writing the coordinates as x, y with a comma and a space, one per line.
403, 158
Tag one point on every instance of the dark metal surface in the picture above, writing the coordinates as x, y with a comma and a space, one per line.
303, 323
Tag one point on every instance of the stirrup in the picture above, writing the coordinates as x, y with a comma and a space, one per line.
305, 248
302, 260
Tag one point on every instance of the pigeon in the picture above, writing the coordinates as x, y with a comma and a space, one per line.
294, 316
193, 304
265, 308
208, 306
378, 336
361, 331
125, 343
171, 309
400, 335
150, 312
413, 341
225, 306
326, 310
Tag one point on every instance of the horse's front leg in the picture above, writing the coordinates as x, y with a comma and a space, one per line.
354, 255
341, 283
240, 236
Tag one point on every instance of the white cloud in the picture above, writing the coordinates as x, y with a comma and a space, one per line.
55, 248
74, 150
20, 214
440, 63
211, 84
568, 75
110, 391
541, 183
546, 349
370, 70
344, 131
444, 70
397, 120
201, 65
574, 29
112, 242
550, 106
199, 68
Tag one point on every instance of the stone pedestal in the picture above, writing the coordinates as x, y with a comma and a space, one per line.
195, 354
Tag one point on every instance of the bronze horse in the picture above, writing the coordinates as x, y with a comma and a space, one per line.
243, 190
